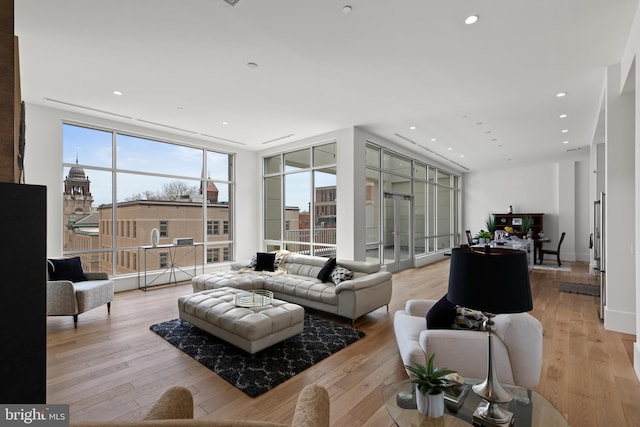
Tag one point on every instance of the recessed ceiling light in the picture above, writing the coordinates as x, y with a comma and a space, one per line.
347, 10
561, 94
252, 65
117, 92
461, 155
433, 140
224, 122
565, 142
471, 19
412, 127
562, 116
564, 130
450, 148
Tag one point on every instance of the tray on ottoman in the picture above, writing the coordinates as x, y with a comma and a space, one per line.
249, 328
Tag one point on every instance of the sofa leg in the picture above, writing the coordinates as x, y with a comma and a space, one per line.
109, 307
75, 321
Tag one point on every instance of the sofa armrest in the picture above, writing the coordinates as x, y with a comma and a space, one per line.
312, 409
175, 403
238, 265
419, 307
61, 298
96, 275
366, 281
522, 335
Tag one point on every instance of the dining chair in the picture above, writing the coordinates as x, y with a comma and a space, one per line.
555, 252
469, 237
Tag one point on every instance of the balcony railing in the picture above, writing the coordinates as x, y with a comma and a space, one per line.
320, 235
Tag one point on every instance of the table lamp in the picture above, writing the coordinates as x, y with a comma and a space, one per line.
494, 281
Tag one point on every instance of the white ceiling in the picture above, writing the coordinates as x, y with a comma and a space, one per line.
487, 91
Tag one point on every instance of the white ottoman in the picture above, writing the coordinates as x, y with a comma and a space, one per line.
251, 329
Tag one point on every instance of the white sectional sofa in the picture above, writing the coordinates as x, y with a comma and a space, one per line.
297, 282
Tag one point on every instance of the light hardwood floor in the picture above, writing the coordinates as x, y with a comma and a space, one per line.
114, 367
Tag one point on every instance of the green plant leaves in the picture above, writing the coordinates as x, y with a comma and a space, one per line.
428, 378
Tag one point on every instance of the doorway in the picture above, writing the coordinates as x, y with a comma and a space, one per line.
397, 241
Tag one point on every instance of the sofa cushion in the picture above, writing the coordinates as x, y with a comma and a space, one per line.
265, 261
442, 315
66, 269
325, 273
303, 287
340, 274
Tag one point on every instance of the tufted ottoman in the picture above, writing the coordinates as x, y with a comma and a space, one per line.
251, 329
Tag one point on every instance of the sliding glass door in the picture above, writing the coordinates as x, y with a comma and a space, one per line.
398, 242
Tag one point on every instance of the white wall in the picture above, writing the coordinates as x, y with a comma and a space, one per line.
43, 165
620, 206
629, 68
583, 211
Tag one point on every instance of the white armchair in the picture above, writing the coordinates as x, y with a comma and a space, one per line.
517, 345
66, 298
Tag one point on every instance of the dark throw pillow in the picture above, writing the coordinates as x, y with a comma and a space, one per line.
264, 261
66, 269
325, 274
442, 315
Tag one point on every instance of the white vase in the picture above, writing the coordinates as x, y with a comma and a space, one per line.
155, 237
431, 405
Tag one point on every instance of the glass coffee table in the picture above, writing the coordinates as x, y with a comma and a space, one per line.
530, 408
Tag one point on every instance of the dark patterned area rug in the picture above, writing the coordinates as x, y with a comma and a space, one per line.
258, 373
580, 288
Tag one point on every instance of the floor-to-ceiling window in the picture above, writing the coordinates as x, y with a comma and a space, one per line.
419, 215
119, 187
300, 200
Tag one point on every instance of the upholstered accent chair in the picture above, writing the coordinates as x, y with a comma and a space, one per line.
175, 409
86, 290
517, 345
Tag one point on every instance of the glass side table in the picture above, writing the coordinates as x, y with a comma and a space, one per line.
530, 408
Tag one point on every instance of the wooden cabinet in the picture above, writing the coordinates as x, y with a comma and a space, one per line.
515, 219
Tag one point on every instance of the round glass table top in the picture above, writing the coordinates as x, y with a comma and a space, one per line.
529, 408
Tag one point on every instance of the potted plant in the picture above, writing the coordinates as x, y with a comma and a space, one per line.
527, 222
491, 224
484, 237
430, 383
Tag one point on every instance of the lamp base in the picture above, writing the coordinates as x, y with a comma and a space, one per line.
491, 415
